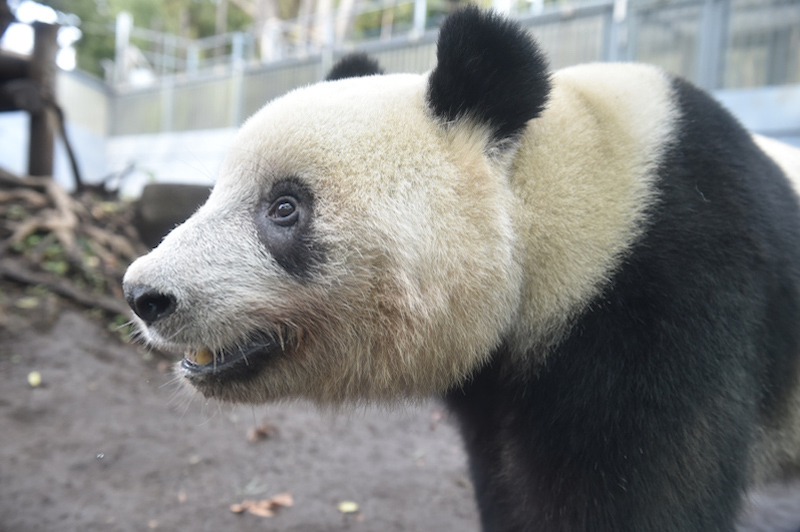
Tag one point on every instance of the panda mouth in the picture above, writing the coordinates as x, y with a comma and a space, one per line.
241, 359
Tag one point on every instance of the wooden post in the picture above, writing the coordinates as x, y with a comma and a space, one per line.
43, 73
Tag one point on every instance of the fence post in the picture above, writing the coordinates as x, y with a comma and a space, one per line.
615, 32
326, 54
122, 37
271, 41
420, 18
168, 49
167, 104
43, 73
192, 58
713, 38
237, 79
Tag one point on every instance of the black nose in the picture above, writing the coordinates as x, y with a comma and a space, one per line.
148, 303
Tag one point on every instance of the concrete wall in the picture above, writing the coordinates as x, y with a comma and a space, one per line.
179, 157
85, 101
195, 156
771, 111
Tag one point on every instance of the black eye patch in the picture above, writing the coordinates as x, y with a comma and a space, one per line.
285, 223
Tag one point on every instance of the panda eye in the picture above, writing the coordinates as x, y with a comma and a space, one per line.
284, 221
283, 211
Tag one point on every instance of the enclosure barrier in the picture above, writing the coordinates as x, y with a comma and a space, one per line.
718, 44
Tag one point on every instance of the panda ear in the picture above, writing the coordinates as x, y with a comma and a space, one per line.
490, 70
354, 65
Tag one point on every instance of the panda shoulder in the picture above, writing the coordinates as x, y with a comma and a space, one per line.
618, 86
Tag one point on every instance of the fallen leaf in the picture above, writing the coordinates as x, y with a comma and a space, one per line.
27, 303
261, 511
348, 507
265, 507
34, 379
283, 499
262, 432
238, 508
436, 417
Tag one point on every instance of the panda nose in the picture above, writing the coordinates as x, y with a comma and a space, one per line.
148, 303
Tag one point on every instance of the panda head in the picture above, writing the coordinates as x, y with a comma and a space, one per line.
358, 244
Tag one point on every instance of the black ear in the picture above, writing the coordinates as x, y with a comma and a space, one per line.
490, 70
354, 65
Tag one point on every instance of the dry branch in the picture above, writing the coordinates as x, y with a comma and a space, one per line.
76, 246
16, 271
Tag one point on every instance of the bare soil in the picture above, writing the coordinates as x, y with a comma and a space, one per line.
109, 441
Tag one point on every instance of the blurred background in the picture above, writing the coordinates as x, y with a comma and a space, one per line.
141, 99
152, 91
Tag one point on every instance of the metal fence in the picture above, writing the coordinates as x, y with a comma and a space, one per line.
715, 43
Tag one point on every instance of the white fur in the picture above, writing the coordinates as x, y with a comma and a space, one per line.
419, 279
427, 231
582, 180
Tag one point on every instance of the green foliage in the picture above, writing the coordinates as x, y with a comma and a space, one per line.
189, 18
123, 326
194, 19
97, 26
45, 250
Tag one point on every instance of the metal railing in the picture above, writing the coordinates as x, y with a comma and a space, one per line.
715, 43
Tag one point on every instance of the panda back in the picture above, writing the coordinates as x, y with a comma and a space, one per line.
665, 246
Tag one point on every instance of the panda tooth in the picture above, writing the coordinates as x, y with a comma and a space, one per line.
203, 356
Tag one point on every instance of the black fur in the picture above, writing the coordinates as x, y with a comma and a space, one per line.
293, 246
490, 70
354, 65
643, 418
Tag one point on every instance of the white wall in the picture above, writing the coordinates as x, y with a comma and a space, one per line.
185, 157
85, 101
770, 111
195, 156
89, 147
14, 141
85, 105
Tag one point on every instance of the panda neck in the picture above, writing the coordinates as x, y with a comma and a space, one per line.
583, 179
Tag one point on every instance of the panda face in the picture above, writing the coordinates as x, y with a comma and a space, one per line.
352, 248
359, 243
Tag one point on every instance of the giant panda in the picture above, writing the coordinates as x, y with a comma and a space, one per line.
597, 270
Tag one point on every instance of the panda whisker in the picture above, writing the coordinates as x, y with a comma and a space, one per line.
129, 323
170, 339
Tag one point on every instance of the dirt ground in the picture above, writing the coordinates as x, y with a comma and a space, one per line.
108, 441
